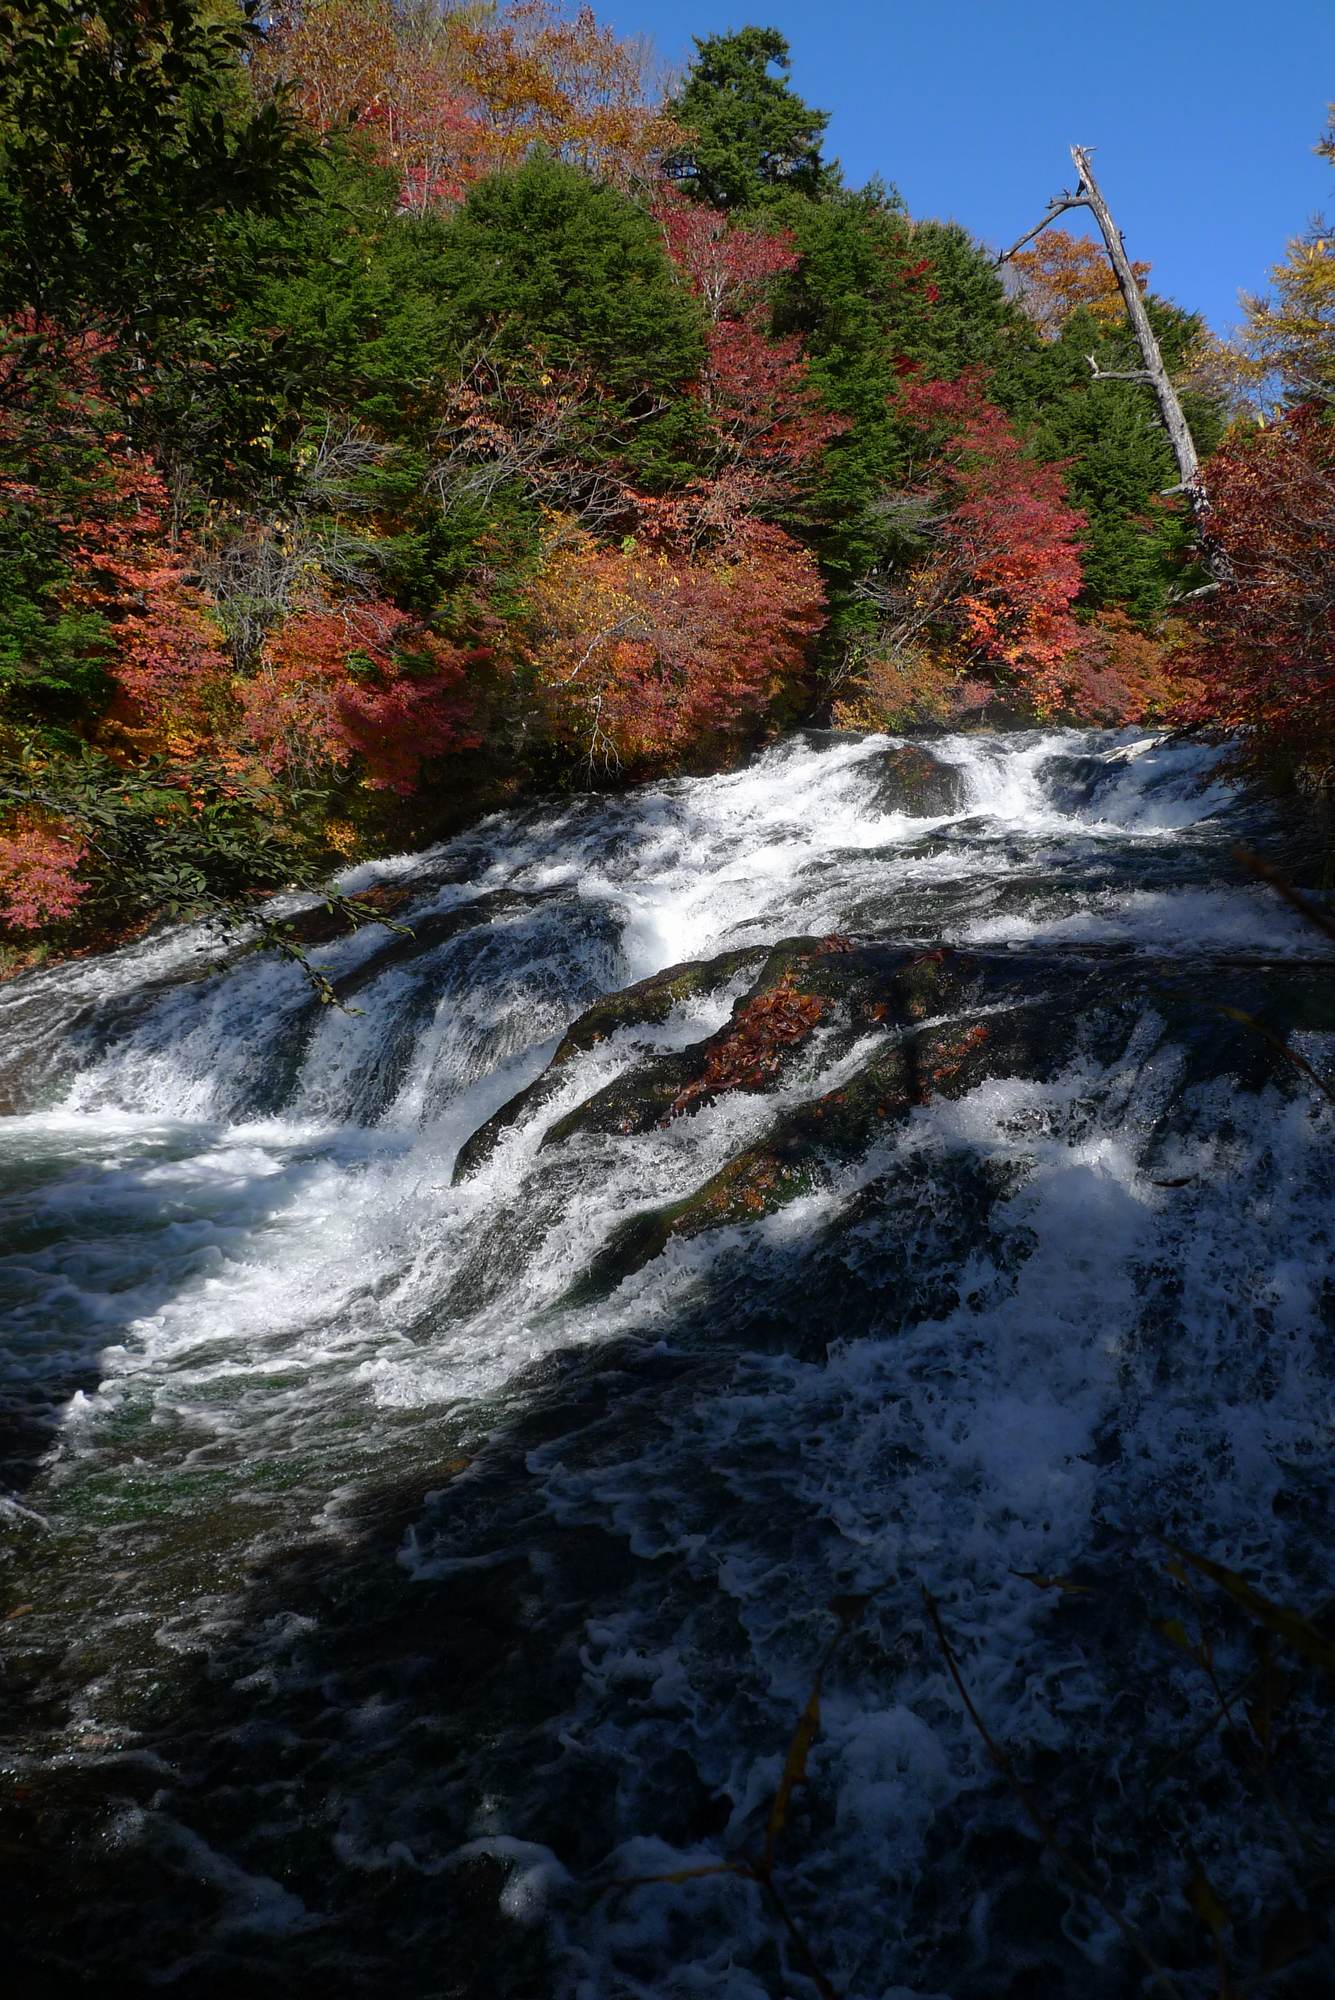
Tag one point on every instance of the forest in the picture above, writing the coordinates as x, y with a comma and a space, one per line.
405, 409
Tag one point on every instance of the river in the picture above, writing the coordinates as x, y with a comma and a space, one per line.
408, 1556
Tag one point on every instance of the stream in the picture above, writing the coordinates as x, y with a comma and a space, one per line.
434, 1430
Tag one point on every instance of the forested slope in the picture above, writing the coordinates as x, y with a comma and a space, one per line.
404, 407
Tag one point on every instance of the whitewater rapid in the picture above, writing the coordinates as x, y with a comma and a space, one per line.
274, 1379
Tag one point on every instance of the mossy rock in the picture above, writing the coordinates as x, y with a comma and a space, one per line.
649, 1002
857, 988
1015, 1016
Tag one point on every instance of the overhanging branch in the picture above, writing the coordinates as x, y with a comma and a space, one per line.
1057, 206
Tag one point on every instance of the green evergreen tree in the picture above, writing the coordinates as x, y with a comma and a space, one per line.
542, 265
752, 136
545, 257
125, 136
878, 298
130, 150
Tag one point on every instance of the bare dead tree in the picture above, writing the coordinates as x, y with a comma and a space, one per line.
1087, 194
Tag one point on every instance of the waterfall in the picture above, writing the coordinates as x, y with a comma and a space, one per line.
404, 1565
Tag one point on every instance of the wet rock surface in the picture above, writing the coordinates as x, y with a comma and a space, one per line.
911, 779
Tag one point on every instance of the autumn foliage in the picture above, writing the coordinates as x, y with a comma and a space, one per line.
1269, 636
39, 873
358, 680
641, 650
446, 97
94, 511
989, 600
769, 425
1012, 541
1060, 274
494, 419
1119, 674
747, 1056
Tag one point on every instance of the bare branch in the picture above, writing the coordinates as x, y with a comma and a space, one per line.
1057, 206
1119, 375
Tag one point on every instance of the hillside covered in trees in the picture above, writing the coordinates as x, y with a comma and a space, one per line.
405, 407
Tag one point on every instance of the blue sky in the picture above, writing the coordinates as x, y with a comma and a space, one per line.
1204, 114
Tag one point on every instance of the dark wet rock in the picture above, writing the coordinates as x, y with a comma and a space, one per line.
951, 1020
912, 780
325, 922
1071, 782
852, 990
812, 738
650, 1001
646, 1003
797, 1154
478, 1148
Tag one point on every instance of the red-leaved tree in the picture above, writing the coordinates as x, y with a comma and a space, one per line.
1267, 665
1002, 564
768, 424
361, 681
94, 510
39, 872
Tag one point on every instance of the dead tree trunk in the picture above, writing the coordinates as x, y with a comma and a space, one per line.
1088, 195
1153, 372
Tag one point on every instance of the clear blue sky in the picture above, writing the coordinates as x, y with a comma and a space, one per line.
1204, 112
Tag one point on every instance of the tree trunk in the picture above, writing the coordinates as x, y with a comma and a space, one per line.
1089, 195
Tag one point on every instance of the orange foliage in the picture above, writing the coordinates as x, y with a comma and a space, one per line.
425, 120
361, 680
566, 83
748, 1056
638, 651
447, 97
909, 686
1062, 273
170, 659
1119, 674
334, 56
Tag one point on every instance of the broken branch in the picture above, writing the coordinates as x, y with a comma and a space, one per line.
1057, 206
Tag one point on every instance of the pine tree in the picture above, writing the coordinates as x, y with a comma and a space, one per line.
544, 265
1120, 463
752, 136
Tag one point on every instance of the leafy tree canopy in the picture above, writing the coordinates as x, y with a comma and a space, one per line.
125, 135
546, 257
546, 263
752, 136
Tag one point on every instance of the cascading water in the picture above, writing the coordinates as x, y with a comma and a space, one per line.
431, 1468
